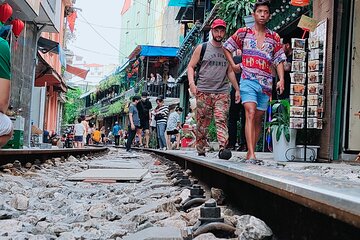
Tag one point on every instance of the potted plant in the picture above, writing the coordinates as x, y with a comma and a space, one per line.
283, 138
188, 137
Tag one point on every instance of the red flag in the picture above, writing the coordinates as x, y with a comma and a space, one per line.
77, 71
71, 20
126, 6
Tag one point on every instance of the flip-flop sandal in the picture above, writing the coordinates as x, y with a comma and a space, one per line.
241, 159
254, 161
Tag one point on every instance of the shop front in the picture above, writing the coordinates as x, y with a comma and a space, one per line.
346, 99
311, 73
352, 137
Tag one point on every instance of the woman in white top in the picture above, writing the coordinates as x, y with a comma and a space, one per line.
79, 130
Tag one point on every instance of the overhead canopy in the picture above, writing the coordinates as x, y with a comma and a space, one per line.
187, 14
47, 45
45, 75
180, 3
153, 51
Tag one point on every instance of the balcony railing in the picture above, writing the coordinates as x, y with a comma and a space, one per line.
164, 90
169, 90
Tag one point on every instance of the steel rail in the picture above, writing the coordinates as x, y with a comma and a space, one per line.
30, 155
284, 197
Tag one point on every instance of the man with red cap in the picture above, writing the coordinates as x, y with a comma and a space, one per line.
212, 88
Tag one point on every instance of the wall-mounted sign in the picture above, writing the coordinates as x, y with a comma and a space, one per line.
300, 3
308, 23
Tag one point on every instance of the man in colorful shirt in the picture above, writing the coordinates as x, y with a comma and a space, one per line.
5, 75
261, 49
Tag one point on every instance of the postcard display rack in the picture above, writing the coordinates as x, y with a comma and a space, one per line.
306, 90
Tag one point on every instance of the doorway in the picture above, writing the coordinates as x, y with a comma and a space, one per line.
353, 136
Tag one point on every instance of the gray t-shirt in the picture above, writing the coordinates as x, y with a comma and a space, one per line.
172, 122
135, 114
212, 75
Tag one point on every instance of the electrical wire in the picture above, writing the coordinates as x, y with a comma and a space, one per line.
92, 51
120, 28
110, 44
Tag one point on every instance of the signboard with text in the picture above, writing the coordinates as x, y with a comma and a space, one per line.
308, 23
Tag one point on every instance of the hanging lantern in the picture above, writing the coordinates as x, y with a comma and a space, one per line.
18, 26
5, 12
300, 3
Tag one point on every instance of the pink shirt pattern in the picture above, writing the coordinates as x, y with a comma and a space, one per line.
257, 60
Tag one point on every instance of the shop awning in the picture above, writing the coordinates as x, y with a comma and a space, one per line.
180, 3
153, 51
45, 75
47, 45
77, 71
51, 78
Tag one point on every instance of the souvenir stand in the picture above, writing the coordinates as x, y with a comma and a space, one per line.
306, 90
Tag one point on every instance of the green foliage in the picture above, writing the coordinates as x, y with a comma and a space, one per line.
233, 12
212, 131
73, 106
281, 119
115, 108
95, 110
93, 96
110, 81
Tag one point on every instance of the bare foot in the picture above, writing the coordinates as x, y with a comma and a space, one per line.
250, 156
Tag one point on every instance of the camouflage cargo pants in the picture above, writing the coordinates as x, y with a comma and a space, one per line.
207, 105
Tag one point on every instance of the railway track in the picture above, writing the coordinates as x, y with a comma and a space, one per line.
30, 155
294, 206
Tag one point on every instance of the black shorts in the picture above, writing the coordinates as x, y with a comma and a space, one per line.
144, 124
78, 138
173, 132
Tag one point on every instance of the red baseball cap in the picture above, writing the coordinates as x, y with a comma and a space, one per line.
218, 23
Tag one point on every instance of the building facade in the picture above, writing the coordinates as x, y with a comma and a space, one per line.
39, 17
147, 22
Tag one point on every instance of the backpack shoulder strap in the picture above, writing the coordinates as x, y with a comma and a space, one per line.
198, 65
202, 53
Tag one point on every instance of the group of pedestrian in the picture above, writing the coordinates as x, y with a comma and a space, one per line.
261, 50
86, 133
211, 66
145, 120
